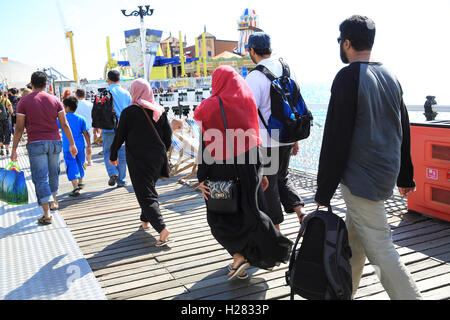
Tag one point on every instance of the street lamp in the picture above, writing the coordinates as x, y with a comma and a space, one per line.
142, 13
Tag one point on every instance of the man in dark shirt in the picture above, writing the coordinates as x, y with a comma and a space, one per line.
366, 148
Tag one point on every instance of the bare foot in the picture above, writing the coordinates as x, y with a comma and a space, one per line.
164, 235
238, 261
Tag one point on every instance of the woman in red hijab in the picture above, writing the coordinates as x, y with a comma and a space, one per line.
248, 234
146, 151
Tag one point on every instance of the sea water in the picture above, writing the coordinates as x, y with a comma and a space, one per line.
308, 157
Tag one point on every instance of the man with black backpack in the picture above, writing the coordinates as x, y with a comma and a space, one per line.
366, 149
121, 100
278, 141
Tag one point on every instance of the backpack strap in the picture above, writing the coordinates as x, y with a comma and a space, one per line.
266, 72
262, 119
286, 69
294, 249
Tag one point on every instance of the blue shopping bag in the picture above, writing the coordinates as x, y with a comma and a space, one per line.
13, 187
2, 176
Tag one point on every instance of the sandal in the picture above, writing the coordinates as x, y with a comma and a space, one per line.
161, 243
238, 271
45, 221
75, 192
56, 206
81, 185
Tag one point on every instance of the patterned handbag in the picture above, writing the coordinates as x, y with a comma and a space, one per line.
224, 194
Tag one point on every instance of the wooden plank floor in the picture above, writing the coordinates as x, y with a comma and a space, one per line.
105, 222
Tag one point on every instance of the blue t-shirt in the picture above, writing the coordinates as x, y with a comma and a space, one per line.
77, 124
121, 97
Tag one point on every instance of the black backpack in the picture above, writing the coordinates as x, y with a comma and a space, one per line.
104, 115
289, 113
320, 268
3, 110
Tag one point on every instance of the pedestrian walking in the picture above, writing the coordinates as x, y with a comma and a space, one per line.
79, 129
281, 190
366, 149
38, 112
122, 99
84, 109
247, 233
146, 132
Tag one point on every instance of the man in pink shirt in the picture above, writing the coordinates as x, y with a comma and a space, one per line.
38, 112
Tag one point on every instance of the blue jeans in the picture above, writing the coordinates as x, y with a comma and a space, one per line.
121, 169
44, 164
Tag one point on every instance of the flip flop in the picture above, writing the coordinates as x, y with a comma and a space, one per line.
75, 192
56, 207
45, 221
162, 244
239, 270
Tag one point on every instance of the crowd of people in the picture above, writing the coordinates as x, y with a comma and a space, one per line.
365, 149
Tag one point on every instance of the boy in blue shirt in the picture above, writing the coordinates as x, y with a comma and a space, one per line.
75, 167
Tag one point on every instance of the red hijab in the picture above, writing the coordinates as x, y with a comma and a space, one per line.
240, 111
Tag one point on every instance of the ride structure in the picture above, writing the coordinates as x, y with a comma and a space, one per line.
247, 25
69, 35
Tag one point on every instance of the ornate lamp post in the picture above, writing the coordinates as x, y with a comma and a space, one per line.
142, 13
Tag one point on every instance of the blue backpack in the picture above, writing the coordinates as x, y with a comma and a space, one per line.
289, 113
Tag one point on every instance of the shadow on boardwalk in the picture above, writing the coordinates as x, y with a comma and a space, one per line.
61, 278
139, 244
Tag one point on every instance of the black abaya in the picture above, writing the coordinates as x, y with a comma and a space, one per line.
250, 232
145, 158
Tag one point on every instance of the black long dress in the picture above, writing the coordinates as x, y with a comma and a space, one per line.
145, 158
250, 232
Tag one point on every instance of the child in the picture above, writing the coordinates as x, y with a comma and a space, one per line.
74, 167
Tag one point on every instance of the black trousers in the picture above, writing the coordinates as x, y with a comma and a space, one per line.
144, 177
5, 131
281, 190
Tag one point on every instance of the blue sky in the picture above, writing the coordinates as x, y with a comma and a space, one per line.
412, 36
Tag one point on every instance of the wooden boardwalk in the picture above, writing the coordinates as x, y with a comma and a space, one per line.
105, 223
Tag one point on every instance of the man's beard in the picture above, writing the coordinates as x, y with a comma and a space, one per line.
253, 59
343, 55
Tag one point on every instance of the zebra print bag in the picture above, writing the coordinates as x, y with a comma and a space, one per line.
224, 194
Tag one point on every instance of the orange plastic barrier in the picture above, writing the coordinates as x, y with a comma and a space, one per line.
430, 148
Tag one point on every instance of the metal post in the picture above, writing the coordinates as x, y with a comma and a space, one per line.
142, 13
144, 48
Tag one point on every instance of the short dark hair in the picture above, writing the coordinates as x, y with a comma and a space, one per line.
80, 93
71, 102
39, 79
114, 75
263, 52
360, 31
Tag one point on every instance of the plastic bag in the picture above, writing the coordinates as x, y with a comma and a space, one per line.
13, 187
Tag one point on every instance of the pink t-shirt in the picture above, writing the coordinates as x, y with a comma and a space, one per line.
41, 111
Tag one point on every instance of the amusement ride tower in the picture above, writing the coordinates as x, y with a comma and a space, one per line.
247, 25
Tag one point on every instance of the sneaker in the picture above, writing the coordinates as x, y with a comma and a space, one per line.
112, 180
